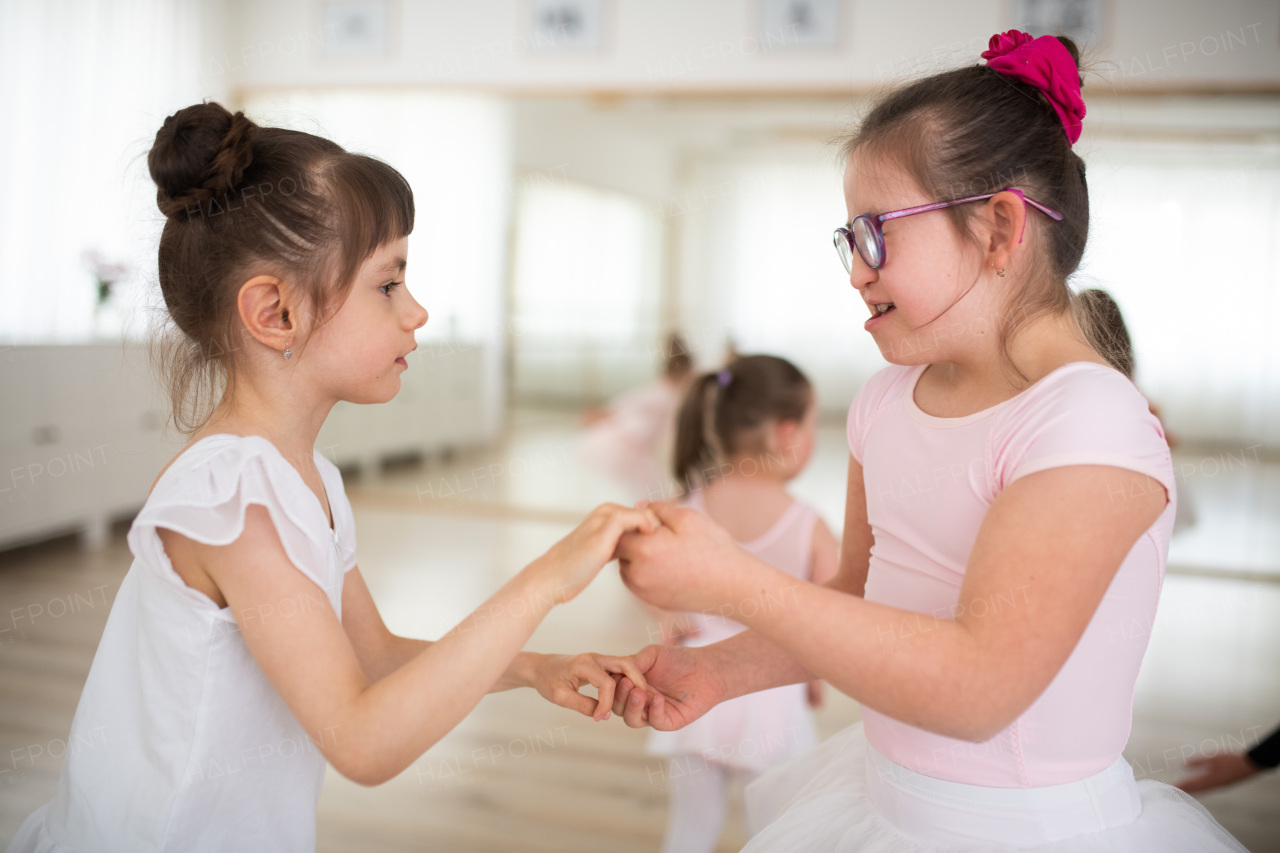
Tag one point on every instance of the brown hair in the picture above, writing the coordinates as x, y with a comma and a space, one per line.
1100, 317
239, 200
678, 362
973, 130
724, 412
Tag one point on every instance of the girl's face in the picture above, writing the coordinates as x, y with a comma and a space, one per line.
931, 276
359, 354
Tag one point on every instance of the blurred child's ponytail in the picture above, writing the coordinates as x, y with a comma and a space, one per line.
1099, 317
725, 413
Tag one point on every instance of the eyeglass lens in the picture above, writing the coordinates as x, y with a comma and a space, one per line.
864, 237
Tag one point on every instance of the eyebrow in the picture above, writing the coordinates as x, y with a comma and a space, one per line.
397, 265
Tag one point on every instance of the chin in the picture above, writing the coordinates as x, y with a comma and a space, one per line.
906, 353
380, 390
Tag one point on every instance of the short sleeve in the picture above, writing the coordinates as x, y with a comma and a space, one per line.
1084, 414
205, 493
870, 401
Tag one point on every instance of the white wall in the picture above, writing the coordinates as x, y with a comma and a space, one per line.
716, 45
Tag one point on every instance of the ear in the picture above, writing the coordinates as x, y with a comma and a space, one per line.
783, 435
1006, 223
266, 308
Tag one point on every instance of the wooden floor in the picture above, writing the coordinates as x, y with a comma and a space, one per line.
522, 775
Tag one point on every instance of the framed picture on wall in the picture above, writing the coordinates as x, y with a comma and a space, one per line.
355, 29
1082, 20
792, 24
565, 26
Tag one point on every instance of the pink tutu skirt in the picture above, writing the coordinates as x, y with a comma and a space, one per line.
843, 796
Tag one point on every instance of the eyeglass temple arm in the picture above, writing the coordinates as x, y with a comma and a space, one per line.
938, 205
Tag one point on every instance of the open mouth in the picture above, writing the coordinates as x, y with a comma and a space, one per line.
881, 309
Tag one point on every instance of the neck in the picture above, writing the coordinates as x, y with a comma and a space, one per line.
283, 412
760, 471
1038, 348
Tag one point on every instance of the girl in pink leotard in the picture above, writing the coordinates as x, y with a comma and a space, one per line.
742, 434
1010, 500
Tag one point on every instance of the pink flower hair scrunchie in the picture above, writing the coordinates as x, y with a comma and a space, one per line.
1046, 64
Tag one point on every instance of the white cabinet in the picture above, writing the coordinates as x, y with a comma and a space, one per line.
82, 430
81, 438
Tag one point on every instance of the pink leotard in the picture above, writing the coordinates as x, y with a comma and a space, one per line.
929, 482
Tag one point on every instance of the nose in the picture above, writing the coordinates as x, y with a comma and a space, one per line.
861, 276
416, 316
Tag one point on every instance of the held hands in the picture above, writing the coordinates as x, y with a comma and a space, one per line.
681, 688
558, 679
571, 563
689, 563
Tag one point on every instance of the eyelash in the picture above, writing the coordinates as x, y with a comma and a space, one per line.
388, 287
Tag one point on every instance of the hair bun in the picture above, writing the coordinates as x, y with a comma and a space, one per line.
200, 151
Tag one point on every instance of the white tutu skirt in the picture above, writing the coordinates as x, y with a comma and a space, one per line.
843, 796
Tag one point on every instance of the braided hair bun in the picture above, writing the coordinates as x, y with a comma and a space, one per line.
200, 152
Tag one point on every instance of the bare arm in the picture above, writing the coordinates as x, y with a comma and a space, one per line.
557, 678
750, 662
374, 729
381, 652
1051, 542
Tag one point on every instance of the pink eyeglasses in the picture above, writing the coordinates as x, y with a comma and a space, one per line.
865, 236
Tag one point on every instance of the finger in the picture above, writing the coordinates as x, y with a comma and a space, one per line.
567, 697
668, 514
590, 671
643, 520
626, 666
1199, 760
604, 688
633, 714
620, 695
660, 713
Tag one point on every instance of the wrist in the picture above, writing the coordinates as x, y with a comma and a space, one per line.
759, 594
542, 585
720, 666
524, 669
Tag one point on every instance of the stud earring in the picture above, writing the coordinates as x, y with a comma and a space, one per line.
288, 353
1000, 272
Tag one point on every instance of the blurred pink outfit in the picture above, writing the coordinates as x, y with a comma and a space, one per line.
632, 443
1055, 779
756, 731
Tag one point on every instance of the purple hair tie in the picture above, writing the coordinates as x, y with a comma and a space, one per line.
1046, 64
724, 377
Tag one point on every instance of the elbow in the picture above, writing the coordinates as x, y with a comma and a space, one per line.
366, 768
984, 722
362, 773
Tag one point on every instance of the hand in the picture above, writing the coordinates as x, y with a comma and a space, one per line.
814, 692
558, 678
571, 563
1219, 770
690, 563
681, 688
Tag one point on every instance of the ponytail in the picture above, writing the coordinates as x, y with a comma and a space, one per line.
1104, 329
694, 454
724, 413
